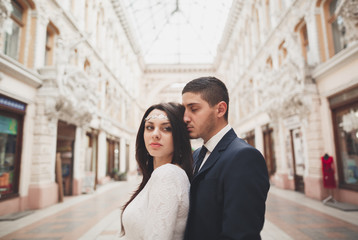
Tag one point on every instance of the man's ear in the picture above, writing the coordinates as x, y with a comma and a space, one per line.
221, 108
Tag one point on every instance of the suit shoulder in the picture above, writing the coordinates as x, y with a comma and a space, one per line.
241, 145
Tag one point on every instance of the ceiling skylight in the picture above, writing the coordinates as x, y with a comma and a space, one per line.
177, 31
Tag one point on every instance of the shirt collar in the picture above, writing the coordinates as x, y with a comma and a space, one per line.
214, 140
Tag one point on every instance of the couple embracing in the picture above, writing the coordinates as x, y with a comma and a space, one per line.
218, 192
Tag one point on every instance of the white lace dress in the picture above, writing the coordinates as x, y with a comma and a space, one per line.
160, 210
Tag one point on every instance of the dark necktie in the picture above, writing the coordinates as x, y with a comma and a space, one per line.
201, 156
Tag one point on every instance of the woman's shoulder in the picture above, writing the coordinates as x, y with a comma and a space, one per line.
170, 171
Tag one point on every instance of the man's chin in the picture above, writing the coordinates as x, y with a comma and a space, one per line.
193, 136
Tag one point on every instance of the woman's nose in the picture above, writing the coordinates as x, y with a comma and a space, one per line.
156, 133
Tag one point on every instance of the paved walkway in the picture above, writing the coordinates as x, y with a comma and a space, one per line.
96, 216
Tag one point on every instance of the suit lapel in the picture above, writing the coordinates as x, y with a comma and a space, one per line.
215, 154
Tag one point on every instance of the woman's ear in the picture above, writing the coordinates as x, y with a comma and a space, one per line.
221, 108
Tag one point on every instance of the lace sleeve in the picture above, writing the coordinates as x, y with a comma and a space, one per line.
163, 203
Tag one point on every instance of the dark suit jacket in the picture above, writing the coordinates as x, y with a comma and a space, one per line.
227, 196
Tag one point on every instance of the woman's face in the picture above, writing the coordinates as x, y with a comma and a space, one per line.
158, 136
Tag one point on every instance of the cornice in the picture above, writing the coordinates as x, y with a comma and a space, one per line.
179, 68
337, 61
235, 12
20, 72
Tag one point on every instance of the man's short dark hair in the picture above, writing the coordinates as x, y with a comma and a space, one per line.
211, 89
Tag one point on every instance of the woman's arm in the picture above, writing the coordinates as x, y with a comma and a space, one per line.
163, 204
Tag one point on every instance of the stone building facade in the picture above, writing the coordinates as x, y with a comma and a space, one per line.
291, 67
69, 82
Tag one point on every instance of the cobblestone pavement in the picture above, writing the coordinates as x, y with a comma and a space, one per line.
289, 215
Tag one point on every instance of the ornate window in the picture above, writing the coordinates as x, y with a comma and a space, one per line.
282, 53
269, 63
336, 30
51, 33
301, 28
12, 39
87, 66
15, 40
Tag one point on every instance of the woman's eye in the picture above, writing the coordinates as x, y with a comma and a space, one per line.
167, 129
149, 127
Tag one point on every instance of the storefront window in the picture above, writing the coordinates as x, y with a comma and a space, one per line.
347, 134
8, 143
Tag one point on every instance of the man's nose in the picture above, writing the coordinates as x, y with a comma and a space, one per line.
186, 118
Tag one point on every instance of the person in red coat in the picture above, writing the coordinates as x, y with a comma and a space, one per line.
328, 172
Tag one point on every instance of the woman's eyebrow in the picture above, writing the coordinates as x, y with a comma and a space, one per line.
164, 123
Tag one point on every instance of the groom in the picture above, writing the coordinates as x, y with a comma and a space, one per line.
230, 184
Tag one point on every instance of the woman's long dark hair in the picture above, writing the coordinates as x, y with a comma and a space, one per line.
182, 154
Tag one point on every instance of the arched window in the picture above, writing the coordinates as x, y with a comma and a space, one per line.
335, 28
51, 33
15, 40
87, 66
269, 63
301, 29
282, 53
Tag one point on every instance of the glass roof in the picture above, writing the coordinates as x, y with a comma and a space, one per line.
177, 31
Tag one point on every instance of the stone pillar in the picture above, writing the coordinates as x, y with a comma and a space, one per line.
26, 156
315, 149
40, 35
259, 140
43, 190
313, 29
78, 161
102, 156
123, 164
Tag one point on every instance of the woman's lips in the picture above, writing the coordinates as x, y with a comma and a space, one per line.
155, 144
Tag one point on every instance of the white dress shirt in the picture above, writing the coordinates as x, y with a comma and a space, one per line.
213, 141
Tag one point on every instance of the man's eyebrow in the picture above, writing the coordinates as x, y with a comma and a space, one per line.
192, 104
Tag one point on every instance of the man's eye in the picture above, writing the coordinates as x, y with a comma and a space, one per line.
194, 109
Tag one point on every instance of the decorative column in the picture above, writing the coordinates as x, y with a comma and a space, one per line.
41, 19
314, 54
43, 190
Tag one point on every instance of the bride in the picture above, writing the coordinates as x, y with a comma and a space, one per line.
158, 209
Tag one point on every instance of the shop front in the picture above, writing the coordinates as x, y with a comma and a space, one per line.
113, 158
11, 124
66, 134
344, 109
269, 149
